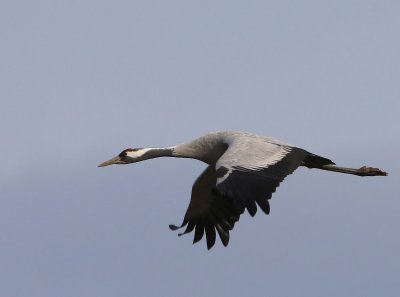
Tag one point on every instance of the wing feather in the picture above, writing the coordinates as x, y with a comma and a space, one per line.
251, 179
223, 234
245, 176
209, 211
199, 232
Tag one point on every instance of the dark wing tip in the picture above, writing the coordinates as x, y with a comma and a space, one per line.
264, 205
223, 235
173, 227
198, 233
210, 235
207, 230
251, 207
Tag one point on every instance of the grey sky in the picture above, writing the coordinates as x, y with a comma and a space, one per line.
82, 80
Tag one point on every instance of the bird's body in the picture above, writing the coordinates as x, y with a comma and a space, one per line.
210, 147
243, 171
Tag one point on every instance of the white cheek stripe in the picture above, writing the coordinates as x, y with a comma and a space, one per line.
136, 154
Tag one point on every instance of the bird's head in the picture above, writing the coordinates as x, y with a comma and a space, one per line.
130, 155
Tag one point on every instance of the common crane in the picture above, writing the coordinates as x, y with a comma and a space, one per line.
243, 171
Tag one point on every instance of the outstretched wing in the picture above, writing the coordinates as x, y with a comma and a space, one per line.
247, 173
251, 169
209, 211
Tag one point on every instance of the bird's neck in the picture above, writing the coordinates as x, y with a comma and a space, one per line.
150, 153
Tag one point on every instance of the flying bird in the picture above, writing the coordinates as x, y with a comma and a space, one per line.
243, 171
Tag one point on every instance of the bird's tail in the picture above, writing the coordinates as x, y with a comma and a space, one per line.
315, 161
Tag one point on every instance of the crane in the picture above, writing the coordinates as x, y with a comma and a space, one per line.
243, 172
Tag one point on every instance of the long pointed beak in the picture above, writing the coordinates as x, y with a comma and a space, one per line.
115, 160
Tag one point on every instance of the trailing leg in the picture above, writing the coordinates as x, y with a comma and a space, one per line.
315, 161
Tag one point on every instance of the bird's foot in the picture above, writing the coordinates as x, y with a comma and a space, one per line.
371, 171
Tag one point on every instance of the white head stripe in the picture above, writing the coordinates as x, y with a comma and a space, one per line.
137, 153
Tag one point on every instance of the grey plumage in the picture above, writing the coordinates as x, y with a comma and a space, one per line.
243, 172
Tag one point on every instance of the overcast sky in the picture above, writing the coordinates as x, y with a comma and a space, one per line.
82, 80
